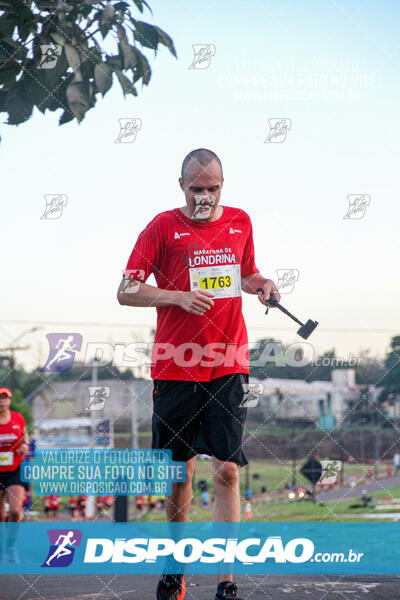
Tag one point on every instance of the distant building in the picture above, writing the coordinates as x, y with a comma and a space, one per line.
71, 399
324, 402
72, 414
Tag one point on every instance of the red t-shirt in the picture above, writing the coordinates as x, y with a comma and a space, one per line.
10, 437
55, 502
184, 254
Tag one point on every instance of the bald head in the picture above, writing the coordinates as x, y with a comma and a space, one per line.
202, 157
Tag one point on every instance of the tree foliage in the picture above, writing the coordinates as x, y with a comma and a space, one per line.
390, 380
369, 369
18, 405
51, 54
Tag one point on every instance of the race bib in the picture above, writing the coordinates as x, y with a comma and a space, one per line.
223, 281
6, 458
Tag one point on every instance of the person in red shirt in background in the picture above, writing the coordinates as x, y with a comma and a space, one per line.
81, 505
55, 505
26, 503
47, 506
51, 506
104, 503
73, 507
202, 258
14, 444
139, 505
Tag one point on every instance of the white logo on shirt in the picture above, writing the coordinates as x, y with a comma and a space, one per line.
177, 236
7, 437
235, 230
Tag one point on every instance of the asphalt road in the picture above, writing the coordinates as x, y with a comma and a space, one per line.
371, 486
200, 587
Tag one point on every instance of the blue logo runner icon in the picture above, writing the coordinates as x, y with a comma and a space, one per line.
62, 547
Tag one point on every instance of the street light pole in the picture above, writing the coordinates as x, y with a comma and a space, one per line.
293, 457
376, 445
12, 349
341, 455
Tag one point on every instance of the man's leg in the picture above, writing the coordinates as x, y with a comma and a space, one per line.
178, 503
227, 496
2, 505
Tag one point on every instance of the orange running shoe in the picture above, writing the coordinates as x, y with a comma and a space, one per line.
171, 587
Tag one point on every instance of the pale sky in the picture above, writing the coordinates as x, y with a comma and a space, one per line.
330, 67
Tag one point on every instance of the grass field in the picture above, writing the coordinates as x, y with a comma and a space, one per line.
333, 511
273, 476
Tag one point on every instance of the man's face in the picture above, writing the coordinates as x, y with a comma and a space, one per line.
202, 187
5, 402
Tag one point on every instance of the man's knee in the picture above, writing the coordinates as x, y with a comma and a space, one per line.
190, 467
227, 473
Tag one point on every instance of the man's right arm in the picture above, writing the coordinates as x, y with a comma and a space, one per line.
141, 294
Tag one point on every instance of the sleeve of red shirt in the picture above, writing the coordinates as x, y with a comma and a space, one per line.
248, 265
145, 257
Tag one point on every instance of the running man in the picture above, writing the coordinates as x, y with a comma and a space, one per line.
202, 257
14, 443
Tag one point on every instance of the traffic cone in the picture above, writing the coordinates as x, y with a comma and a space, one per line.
247, 510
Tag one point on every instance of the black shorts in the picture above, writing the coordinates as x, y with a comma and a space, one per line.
204, 417
8, 478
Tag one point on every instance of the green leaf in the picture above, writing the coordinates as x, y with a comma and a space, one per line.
3, 96
24, 29
67, 116
43, 86
126, 84
18, 105
106, 19
115, 61
103, 77
146, 35
140, 3
58, 38
128, 51
165, 39
72, 55
142, 68
7, 26
8, 75
122, 6
78, 98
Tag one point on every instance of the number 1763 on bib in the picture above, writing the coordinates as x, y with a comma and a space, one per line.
223, 281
